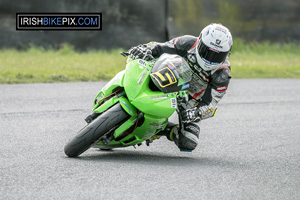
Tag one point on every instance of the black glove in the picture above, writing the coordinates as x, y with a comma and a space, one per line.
190, 115
139, 51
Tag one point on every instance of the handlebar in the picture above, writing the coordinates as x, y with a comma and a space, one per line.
148, 55
125, 54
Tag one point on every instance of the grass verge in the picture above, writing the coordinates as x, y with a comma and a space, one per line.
36, 64
265, 60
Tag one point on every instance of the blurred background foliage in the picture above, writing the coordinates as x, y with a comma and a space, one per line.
127, 23
265, 33
251, 20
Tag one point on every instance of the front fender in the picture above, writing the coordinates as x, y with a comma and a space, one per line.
126, 105
117, 81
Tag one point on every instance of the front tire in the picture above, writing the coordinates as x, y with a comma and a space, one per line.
93, 131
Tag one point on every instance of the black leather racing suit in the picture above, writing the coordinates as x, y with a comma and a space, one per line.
206, 88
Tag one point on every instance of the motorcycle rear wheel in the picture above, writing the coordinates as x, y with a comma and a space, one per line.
94, 130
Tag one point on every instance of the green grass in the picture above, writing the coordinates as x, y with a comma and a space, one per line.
63, 65
265, 60
36, 64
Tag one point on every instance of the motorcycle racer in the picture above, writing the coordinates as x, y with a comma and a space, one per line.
207, 56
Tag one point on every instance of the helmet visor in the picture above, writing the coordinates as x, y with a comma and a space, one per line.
211, 55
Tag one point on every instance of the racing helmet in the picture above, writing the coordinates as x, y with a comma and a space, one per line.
213, 48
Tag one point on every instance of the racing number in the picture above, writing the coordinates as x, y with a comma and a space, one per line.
164, 77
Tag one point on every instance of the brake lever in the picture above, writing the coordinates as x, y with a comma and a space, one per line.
125, 54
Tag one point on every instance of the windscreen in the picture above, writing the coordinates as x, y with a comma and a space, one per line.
178, 65
171, 73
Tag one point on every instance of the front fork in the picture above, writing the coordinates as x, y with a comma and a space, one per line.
104, 104
108, 101
182, 98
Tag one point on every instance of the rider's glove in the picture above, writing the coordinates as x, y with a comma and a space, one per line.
138, 51
190, 115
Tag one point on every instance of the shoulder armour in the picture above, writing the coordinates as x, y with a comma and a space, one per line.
185, 43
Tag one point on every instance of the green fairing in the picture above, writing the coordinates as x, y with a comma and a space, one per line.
136, 84
153, 107
114, 83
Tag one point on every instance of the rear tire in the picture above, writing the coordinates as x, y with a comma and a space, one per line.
93, 131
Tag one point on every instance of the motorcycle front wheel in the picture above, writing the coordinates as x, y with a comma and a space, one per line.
94, 130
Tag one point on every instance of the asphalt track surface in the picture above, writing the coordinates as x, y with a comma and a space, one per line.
249, 150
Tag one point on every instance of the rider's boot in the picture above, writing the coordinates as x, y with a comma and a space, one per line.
186, 139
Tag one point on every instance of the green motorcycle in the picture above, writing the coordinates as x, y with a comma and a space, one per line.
134, 105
